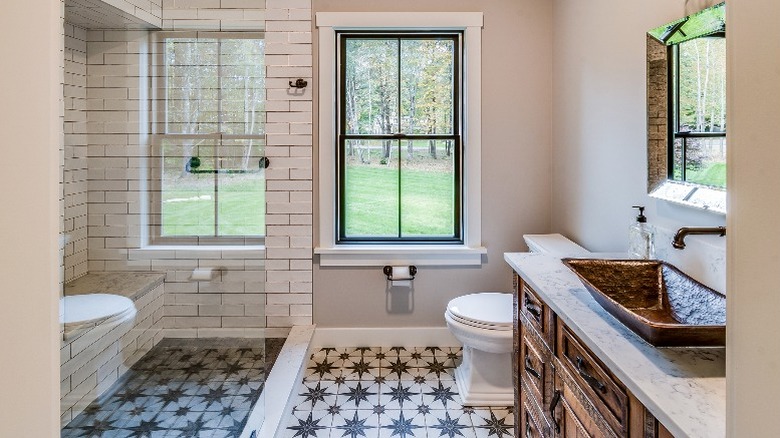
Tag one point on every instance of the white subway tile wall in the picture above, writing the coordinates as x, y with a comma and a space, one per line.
223, 15
74, 171
289, 180
117, 122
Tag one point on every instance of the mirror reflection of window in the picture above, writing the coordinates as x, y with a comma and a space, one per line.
698, 144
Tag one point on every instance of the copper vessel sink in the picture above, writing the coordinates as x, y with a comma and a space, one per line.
657, 301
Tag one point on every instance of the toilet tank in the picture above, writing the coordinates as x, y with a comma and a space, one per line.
554, 244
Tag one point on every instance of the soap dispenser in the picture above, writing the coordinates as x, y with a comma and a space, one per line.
640, 236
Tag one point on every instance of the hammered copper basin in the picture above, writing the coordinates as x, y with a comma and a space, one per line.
655, 300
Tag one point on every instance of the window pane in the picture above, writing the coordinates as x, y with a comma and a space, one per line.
706, 161
214, 85
677, 160
427, 86
240, 200
371, 188
187, 198
371, 86
703, 85
428, 189
242, 86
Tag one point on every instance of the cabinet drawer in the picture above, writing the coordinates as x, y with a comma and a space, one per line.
572, 415
535, 368
536, 313
607, 393
532, 422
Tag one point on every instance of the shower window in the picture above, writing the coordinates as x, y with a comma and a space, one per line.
209, 115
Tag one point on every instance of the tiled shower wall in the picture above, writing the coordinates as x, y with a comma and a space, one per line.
74, 173
224, 15
233, 303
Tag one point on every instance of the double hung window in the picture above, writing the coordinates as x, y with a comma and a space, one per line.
399, 140
209, 139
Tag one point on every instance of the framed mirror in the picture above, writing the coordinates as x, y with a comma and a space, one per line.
686, 110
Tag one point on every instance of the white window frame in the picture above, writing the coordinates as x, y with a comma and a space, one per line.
342, 254
153, 226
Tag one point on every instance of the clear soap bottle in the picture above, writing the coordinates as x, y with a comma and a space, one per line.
640, 237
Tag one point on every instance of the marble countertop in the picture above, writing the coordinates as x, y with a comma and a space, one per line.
133, 285
685, 388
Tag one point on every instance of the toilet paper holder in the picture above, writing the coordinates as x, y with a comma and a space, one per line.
388, 270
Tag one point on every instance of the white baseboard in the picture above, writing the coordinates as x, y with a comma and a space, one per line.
384, 337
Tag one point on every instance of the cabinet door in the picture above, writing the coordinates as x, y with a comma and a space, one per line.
532, 422
572, 416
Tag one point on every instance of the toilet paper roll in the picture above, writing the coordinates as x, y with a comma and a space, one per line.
401, 283
400, 273
202, 274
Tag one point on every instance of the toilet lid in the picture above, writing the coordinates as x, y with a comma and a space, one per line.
479, 325
486, 309
91, 308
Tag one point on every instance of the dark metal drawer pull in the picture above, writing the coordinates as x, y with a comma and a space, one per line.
592, 381
530, 370
533, 309
528, 430
554, 404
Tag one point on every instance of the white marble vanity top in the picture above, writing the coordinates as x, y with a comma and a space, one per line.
684, 388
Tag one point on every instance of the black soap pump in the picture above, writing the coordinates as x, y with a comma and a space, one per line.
640, 236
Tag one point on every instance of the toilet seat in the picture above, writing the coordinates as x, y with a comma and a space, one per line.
486, 310
81, 311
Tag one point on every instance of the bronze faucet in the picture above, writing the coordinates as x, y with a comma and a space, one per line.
679, 238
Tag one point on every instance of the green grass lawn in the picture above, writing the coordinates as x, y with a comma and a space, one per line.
188, 209
714, 175
427, 202
371, 200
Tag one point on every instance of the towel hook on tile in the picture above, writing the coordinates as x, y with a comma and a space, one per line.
299, 83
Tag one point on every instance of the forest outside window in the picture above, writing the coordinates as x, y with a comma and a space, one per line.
697, 153
208, 183
399, 140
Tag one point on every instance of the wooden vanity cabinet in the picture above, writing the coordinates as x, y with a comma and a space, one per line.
562, 388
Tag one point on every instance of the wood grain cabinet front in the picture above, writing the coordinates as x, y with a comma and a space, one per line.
562, 389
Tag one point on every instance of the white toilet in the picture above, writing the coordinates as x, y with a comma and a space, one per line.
81, 312
483, 323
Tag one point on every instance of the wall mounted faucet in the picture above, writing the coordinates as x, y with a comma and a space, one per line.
679, 238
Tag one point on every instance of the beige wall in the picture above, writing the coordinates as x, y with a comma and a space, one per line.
516, 53
753, 354
600, 126
29, 120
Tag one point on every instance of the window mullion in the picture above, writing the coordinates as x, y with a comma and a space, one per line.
398, 142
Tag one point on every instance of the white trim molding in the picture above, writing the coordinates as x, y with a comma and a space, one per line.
471, 251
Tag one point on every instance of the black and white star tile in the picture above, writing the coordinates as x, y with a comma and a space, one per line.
389, 392
194, 390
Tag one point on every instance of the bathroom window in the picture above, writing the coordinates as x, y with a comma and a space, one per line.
209, 116
697, 150
399, 137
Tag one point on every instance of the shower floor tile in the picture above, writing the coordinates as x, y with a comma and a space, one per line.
192, 388
389, 392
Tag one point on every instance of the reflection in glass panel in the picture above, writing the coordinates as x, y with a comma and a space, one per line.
240, 189
209, 189
371, 86
214, 85
428, 189
427, 86
187, 207
371, 188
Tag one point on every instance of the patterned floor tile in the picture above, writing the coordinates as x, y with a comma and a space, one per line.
191, 391
389, 392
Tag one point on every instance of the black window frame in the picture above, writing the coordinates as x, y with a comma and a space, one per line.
674, 132
456, 137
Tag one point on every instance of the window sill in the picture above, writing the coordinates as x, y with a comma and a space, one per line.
692, 195
382, 255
